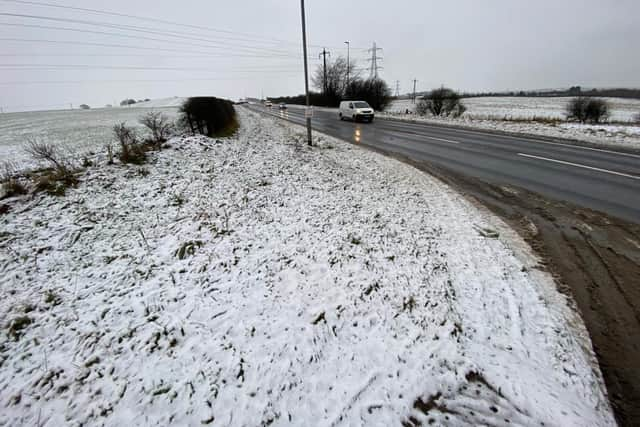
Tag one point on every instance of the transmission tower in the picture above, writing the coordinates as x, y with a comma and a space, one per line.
374, 67
397, 88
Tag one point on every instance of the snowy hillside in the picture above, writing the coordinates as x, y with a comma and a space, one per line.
175, 101
255, 281
78, 132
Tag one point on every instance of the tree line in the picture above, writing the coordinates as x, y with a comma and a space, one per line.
342, 81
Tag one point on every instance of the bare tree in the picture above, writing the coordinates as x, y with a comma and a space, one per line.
577, 109
374, 91
159, 124
335, 86
597, 110
441, 102
585, 109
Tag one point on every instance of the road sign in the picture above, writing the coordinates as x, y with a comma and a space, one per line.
308, 112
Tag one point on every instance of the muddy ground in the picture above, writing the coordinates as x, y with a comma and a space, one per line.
595, 258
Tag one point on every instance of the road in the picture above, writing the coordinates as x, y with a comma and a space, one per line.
600, 179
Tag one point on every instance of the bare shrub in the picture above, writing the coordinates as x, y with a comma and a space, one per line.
48, 153
636, 118
422, 108
61, 173
109, 147
585, 109
160, 126
55, 182
131, 151
10, 184
597, 110
441, 102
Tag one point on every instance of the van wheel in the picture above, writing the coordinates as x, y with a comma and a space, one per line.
340, 116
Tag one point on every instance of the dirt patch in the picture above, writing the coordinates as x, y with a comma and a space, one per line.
595, 259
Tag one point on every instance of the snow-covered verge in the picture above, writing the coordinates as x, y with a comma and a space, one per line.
256, 281
515, 115
79, 132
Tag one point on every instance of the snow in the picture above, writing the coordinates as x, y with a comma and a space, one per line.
174, 102
520, 107
254, 280
515, 114
78, 131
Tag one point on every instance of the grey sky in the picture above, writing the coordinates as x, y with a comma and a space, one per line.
466, 44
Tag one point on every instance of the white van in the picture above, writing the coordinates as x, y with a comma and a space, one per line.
355, 110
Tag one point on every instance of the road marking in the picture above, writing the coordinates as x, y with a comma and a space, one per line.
580, 166
439, 139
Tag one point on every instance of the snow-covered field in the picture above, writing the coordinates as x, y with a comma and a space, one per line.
256, 281
78, 131
511, 114
175, 102
621, 109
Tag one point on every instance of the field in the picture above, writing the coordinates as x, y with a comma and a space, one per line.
77, 131
622, 110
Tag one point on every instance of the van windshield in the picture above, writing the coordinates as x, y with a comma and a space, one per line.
361, 105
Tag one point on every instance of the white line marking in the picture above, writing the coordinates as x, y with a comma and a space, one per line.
440, 139
580, 166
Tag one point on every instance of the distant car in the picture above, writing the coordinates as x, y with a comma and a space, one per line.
282, 106
268, 104
356, 110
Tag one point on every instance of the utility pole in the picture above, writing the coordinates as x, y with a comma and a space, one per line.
348, 63
324, 59
306, 74
373, 71
414, 90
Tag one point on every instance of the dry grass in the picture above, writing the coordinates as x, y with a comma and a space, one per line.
10, 184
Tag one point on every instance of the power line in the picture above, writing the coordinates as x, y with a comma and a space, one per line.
256, 38
103, 45
136, 37
29, 82
146, 30
136, 55
128, 67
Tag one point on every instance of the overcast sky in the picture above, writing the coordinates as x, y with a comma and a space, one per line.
469, 45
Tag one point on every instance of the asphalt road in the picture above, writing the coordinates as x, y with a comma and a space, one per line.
600, 179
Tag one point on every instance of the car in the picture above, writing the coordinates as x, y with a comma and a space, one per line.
356, 110
282, 106
268, 104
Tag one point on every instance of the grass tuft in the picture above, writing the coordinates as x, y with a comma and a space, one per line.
17, 326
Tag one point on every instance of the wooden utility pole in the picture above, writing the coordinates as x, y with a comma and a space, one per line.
324, 60
306, 73
414, 90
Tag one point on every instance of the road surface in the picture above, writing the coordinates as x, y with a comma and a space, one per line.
600, 179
